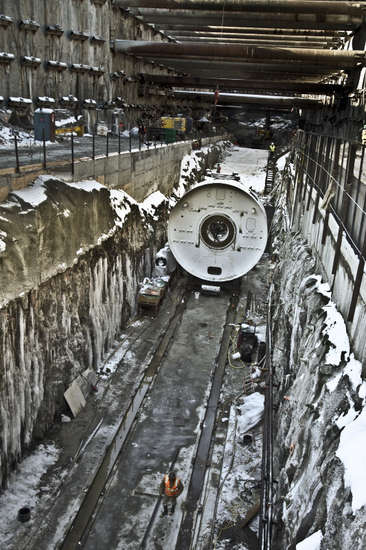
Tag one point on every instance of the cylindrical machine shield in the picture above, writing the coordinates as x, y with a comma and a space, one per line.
218, 231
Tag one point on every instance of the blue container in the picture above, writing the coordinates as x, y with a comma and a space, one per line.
44, 125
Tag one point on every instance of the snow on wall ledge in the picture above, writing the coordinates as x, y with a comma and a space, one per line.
320, 419
71, 257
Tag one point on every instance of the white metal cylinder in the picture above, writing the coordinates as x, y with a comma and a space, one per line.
218, 231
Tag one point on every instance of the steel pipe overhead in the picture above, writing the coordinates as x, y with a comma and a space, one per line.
214, 68
276, 43
233, 69
249, 30
259, 20
249, 54
269, 6
227, 34
247, 108
236, 84
242, 99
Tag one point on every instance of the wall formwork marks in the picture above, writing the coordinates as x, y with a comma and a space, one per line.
39, 38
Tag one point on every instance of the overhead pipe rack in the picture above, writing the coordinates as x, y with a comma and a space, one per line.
255, 30
325, 21
276, 43
235, 84
242, 99
269, 6
259, 36
340, 59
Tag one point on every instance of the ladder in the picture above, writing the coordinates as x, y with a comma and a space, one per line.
270, 174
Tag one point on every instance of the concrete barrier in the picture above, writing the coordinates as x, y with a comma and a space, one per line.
139, 173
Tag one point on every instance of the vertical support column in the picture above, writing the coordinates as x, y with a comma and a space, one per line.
345, 204
300, 169
310, 146
333, 170
357, 283
358, 193
44, 163
337, 250
314, 168
325, 227
319, 175
72, 155
17, 168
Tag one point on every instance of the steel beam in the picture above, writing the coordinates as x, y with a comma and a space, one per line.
268, 6
235, 84
248, 54
258, 20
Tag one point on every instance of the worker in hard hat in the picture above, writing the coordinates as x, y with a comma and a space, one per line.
170, 488
272, 147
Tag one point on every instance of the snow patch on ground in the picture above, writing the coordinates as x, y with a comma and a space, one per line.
86, 185
249, 164
282, 161
24, 488
311, 543
334, 328
353, 370
121, 203
352, 452
250, 412
244, 415
2, 243
152, 202
35, 193
7, 138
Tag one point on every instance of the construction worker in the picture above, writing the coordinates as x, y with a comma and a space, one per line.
170, 488
272, 147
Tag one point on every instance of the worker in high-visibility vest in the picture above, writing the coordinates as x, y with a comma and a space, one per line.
170, 488
272, 147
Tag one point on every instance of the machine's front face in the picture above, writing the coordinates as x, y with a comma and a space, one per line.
217, 231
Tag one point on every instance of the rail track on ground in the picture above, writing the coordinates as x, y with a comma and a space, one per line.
170, 423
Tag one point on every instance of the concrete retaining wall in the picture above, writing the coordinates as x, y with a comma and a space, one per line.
139, 173
94, 18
